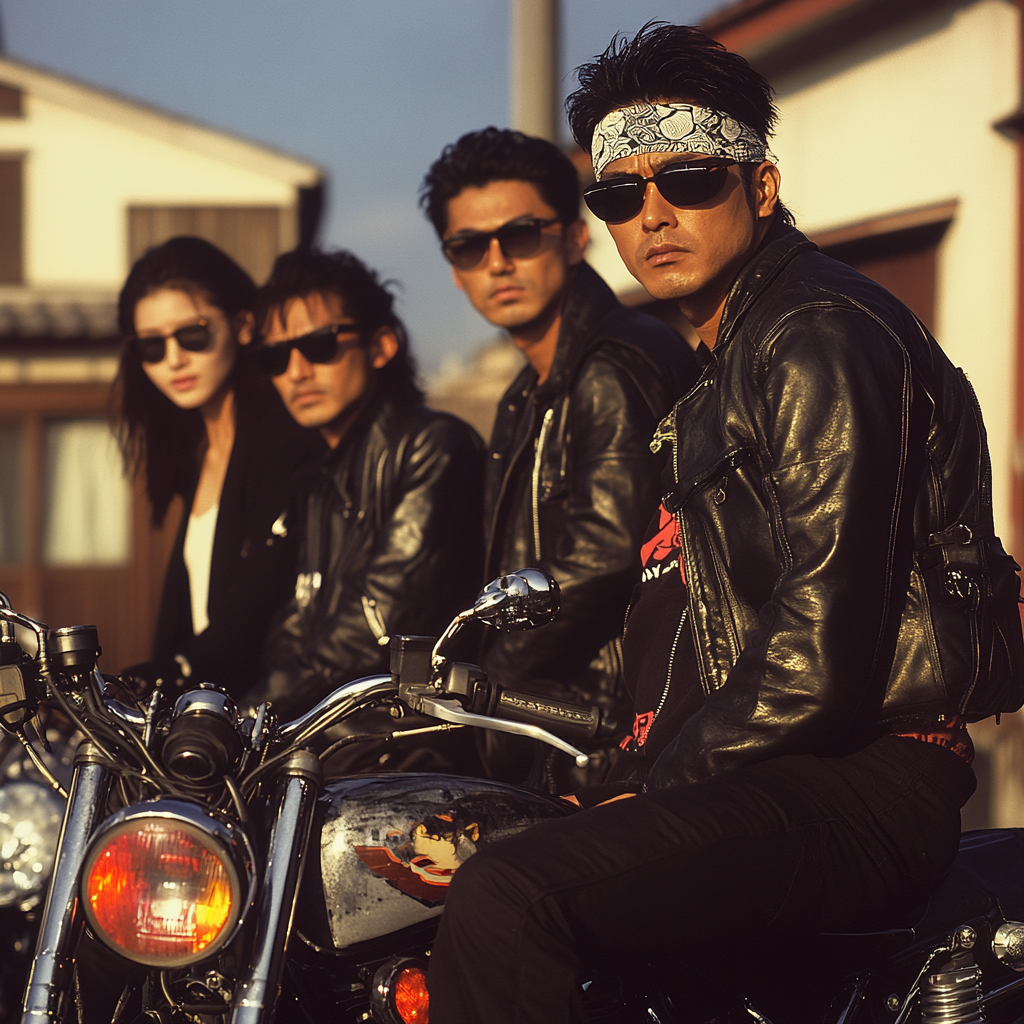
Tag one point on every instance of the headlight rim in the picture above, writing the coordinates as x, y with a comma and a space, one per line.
237, 855
56, 806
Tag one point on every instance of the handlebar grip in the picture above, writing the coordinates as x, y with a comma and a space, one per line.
570, 721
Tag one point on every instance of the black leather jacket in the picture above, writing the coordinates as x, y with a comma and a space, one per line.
831, 470
252, 567
571, 482
393, 544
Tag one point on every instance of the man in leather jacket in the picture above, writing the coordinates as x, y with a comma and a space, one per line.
570, 477
392, 539
823, 600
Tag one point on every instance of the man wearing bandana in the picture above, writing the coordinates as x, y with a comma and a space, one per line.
570, 477
801, 651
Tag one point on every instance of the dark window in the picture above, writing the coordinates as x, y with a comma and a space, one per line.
10, 101
11, 220
248, 234
10, 492
900, 252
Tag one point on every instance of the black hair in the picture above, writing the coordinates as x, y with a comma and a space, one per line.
366, 298
155, 435
500, 154
670, 62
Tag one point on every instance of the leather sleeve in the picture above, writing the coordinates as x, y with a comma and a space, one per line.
424, 564
613, 485
833, 402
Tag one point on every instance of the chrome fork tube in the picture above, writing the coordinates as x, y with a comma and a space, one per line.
297, 792
49, 977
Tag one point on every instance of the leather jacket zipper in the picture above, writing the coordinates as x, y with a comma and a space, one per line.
701, 669
985, 483
671, 664
545, 429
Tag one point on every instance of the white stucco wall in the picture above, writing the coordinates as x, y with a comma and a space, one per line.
903, 121
89, 156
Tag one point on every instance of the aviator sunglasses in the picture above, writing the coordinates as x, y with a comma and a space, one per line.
519, 239
319, 346
192, 338
621, 198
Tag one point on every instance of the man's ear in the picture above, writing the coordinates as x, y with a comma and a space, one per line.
577, 235
383, 347
456, 278
245, 327
767, 182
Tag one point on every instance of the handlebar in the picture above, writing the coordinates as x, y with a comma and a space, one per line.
336, 705
570, 721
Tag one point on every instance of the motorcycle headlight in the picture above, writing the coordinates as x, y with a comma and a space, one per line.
166, 884
30, 820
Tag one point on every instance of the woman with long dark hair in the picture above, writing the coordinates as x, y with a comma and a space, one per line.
196, 420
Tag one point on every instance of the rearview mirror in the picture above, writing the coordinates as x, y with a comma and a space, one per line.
523, 599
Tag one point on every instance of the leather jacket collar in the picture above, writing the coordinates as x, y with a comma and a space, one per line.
588, 300
779, 248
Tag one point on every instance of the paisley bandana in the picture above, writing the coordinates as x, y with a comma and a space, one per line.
674, 128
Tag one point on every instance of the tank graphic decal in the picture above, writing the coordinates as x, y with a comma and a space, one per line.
422, 862
391, 844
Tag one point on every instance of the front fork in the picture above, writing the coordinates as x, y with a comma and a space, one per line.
296, 798
61, 923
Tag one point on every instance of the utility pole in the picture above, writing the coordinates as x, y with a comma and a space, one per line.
534, 107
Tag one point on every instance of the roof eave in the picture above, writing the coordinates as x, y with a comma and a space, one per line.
774, 34
150, 120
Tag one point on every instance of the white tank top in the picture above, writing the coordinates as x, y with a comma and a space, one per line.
198, 554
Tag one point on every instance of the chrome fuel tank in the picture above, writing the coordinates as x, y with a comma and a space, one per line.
390, 845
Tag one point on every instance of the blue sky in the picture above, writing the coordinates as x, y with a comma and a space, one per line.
372, 91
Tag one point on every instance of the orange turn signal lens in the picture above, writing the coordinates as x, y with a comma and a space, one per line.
412, 1002
160, 891
398, 994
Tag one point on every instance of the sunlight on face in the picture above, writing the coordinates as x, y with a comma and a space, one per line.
323, 394
506, 291
693, 251
189, 379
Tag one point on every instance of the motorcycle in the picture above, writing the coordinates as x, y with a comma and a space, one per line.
207, 868
31, 812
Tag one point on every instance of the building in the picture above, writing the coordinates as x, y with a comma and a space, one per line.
88, 182
899, 143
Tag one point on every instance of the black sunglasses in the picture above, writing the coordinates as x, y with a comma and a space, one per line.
622, 198
518, 239
192, 338
319, 346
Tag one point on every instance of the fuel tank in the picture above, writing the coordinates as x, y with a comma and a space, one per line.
389, 845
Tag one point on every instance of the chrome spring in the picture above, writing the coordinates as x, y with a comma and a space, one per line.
952, 994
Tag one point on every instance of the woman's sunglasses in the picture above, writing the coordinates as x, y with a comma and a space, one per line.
519, 239
319, 346
621, 198
192, 338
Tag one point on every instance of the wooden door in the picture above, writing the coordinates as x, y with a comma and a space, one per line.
76, 543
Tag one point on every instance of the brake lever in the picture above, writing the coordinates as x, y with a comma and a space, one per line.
452, 711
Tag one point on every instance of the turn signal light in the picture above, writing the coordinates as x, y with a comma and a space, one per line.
411, 999
399, 993
161, 891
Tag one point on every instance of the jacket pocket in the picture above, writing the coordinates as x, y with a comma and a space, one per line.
975, 619
713, 473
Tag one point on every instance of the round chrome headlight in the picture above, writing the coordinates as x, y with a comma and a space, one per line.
166, 884
30, 820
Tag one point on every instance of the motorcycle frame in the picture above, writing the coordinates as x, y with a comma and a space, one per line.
62, 920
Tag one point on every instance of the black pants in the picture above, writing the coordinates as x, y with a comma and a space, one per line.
824, 844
